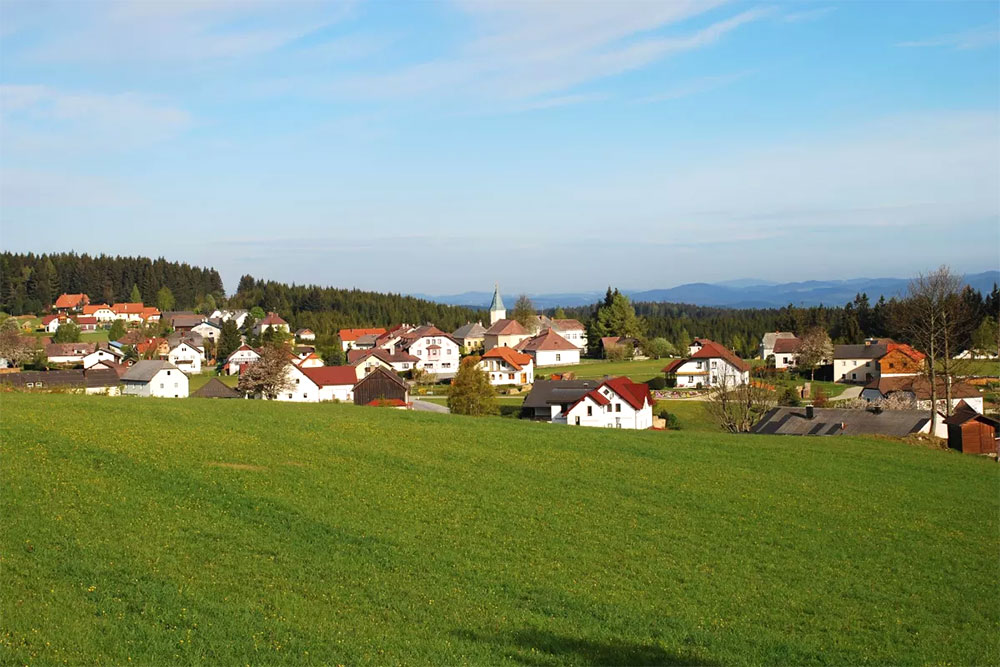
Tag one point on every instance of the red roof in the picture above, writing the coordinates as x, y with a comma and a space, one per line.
515, 359
91, 309
71, 300
325, 376
635, 393
916, 355
674, 365
48, 318
506, 328
712, 350
81, 319
547, 340
127, 308
272, 318
787, 345
149, 344
354, 334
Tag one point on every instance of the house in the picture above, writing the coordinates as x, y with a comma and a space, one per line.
399, 362
436, 351
149, 314
192, 338
207, 329
865, 362
101, 355
90, 381
365, 342
504, 366
184, 321
303, 351
549, 349
311, 360
470, 337
917, 388
186, 357
272, 321
786, 352
155, 378
549, 398
130, 312
348, 337
570, 329
152, 348
241, 356
237, 316
976, 354
768, 340
71, 303
382, 387
101, 311
68, 353
971, 432
504, 333
305, 335
51, 323
709, 365
333, 383
609, 342
497, 310
616, 403
216, 388
842, 421
86, 322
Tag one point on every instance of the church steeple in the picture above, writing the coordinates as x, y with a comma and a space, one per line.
497, 310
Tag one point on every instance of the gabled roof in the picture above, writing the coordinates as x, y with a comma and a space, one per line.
385, 373
48, 318
593, 395
920, 387
470, 330
325, 376
311, 356
69, 349
299, 332
547, 340
516, 360
272, 319
964, 412
712, 350
128, 308
70, 300
562, 324
506, 328
558, 392
912, 353
787, 345
863, 351
351, 335
216, 388
355, 357
144, 371
841, 421
635, 393
242, 348
93, 308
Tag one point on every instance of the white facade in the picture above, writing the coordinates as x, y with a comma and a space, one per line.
167, 383
104, 315
783, 360
709, 372
302, 389
616, 413
237, 316
52, 326
243, 355
555, 357
436, 354
578, 337
207, 330
99, 355
186, 357
502, 373
855, 370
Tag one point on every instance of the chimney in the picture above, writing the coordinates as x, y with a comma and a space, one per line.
810, 412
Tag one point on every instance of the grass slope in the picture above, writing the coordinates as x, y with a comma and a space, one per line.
217, 532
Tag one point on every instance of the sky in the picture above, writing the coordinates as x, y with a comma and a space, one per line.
439, 147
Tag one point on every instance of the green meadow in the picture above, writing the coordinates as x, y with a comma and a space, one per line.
205, 532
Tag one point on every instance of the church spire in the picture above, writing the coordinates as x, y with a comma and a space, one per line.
497, 310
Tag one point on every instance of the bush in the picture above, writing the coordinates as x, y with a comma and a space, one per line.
819, 398
657, 383
790, 397
672, 423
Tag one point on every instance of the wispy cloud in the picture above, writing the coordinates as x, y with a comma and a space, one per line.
807, 15
530, 50
976, 38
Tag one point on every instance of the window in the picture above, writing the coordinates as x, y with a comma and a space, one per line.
161, 385
558, 357
31, 384
854, 376
590, 411
296, 380
289, 396
168, 372
577, 421
445, 365
618, 407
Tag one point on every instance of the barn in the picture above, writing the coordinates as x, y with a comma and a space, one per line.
382, 387
970, 432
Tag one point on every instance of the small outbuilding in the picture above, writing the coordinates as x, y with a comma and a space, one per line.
971, 432
382, 387
216, 388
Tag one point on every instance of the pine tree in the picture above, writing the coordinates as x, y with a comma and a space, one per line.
134, 295
229, 340
117, 330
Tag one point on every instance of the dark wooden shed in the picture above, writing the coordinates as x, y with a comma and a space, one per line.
381, 386
970, 432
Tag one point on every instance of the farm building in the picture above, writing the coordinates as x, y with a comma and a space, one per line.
216, 388
843, 421
971, 432
382, 386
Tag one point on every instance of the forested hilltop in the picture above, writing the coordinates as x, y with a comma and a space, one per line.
30, 283
327, 309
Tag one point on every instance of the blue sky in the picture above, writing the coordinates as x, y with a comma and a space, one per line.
551, 146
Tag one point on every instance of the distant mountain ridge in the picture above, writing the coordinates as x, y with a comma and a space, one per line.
742, 293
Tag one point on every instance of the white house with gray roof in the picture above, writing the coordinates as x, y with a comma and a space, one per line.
160, 379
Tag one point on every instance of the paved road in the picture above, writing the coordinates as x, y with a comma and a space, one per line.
427, 406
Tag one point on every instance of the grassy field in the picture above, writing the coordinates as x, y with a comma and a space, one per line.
640, 371
223, 532
197, 381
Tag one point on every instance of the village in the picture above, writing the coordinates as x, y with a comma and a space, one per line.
539, 367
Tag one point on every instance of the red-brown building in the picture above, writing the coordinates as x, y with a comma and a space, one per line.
970, 432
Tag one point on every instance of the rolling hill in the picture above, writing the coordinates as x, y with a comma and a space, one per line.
224, 532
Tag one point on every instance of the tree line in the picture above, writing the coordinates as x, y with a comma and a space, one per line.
31, 283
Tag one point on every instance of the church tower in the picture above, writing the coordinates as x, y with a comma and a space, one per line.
497, 311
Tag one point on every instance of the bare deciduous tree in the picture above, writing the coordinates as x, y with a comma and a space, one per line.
268, 376
13, 347
736, 406
815, 349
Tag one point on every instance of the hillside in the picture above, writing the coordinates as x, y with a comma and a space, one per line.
239, 532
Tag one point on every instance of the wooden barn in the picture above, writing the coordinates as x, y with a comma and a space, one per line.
382, 387
970, 432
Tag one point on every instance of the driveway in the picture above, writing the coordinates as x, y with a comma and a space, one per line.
427, 406
850, 392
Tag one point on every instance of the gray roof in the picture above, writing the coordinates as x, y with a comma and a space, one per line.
874, 351
143, 371
192, 338
497, 303
841, 421
94, 377
470, 330
558, 392
216, 388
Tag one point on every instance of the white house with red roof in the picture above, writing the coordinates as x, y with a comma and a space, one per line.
51, 323
100, 311
368, 360
311, 360
615, 403
271, 321
709, 365
333, 383
504, 365
549, 349
437, 352
348, 337
241, 356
